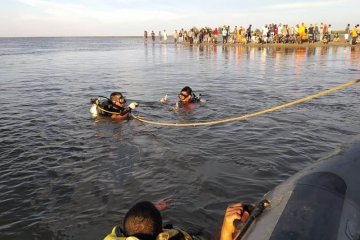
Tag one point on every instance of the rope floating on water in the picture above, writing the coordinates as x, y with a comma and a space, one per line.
251, 115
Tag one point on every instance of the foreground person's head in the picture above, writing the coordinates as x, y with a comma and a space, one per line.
143, 221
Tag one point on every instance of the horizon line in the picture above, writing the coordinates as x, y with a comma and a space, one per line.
139, 36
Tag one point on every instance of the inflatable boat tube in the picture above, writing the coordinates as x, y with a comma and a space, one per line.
320, 202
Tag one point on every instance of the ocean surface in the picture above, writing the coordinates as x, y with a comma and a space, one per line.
65, 175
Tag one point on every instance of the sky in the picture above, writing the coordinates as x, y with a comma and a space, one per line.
32, 18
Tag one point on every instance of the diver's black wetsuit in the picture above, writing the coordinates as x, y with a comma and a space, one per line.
108, 106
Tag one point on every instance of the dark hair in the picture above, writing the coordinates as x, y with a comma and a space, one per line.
115, 94
187, 89
113, 97
143, 221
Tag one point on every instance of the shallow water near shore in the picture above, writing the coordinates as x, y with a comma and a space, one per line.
64, 175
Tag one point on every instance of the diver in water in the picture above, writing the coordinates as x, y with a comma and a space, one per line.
144, 222
187, 98
113, 107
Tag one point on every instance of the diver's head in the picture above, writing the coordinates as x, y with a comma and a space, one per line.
143, 221
117, 99
185, 95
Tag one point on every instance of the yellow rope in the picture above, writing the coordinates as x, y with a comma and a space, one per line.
104, 110
113, 113
247, 116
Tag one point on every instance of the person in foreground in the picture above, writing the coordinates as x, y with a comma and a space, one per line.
113, 107
144, 222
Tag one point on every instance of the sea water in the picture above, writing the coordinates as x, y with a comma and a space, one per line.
65, 175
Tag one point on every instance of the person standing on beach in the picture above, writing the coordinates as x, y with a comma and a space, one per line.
160, 36
347, 32
145, 35
276, 30
216, 34
321, 31
265, 30
238, 35
302, 30
329, 30
165, 36
316, 32
176, 36
311, 34
224, 34
227, 34
153, 36
248, 34
191, 36
235, 34
181, 35
354, 35
325, 30
284, 33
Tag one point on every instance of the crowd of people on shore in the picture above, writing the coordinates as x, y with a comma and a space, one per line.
269, 33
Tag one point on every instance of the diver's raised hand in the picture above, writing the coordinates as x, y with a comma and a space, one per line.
176, 108
133, 105
164, 204
164, 100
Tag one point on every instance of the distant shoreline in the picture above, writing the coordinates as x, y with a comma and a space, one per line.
287, 45
72, 37
291, 45
170, 41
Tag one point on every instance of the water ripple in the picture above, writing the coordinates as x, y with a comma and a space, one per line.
66, 176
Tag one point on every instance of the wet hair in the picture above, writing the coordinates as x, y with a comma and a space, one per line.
114, 94
143, 221
187, 89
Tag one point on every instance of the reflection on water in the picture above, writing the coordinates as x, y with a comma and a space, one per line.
354, 56
64, 175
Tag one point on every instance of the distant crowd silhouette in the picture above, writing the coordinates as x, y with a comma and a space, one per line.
269, 33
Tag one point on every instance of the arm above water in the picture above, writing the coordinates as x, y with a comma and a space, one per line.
164, 204
233, 212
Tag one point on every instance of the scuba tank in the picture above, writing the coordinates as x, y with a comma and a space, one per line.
94, 109
197, 98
